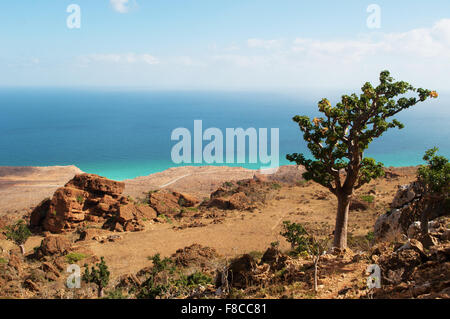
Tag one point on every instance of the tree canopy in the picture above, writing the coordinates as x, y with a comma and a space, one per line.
338, 139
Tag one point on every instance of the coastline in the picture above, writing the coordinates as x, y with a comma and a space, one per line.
24, 187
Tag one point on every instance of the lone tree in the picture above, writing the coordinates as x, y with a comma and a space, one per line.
339, 138
301, 242
98, 275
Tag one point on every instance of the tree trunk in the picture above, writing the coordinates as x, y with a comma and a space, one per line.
340, 231
100, 291
316, 262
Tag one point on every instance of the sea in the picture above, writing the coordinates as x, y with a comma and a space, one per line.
126, 133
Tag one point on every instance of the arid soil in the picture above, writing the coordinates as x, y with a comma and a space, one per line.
231, 233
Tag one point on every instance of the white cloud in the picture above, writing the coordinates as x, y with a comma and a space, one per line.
120, 6
127, 58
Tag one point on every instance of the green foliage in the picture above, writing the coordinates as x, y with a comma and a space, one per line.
115, 294
435, 176
98, 275
164, 280
275, 244
368, 198
370, 236
338, 139
73, 258
166, 218
275, 186
256, 254
160, 265
197, 279
302, 242
296, 235
3, 261
228, 184
19, 232
80, 199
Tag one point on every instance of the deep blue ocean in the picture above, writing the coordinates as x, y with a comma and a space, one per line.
123, 134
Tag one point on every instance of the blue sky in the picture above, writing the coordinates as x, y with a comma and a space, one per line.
222, 44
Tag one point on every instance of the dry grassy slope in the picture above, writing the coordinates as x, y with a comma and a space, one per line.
251, 231
241, 231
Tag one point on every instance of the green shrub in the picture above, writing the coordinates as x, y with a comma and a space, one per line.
115, 294
80, 199
368, 198
98, 275
19, 232
73, 258
3, 261
436, 174
296, 235
165, 280
275, 186
370, 236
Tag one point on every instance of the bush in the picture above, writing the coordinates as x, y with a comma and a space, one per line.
98, 275
276, 186
435, 176
80, 199
367, 198
165, 281
19, 232
73, 258
296, 235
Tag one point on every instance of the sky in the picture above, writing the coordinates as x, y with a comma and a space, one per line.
223, 44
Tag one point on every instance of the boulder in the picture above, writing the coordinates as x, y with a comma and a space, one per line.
54, 245
186, 200
145, 211
236, 201
97, 185
87, 198
388, 227
165, 203
39, 213
406, 194
195, 256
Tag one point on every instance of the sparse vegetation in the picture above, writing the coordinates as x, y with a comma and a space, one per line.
165, 280
18, 232
368, 198
73, 258
80, 199
98, 275
275, 186
302, 242
435, 176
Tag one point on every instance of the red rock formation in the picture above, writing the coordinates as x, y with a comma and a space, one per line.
88, 197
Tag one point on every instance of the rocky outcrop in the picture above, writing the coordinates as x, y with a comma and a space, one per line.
195, 256
242, 195
54, 245
412, 272
89, 198
171, 203
409, 209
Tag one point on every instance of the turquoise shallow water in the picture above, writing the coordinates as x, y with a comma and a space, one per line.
124, 134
